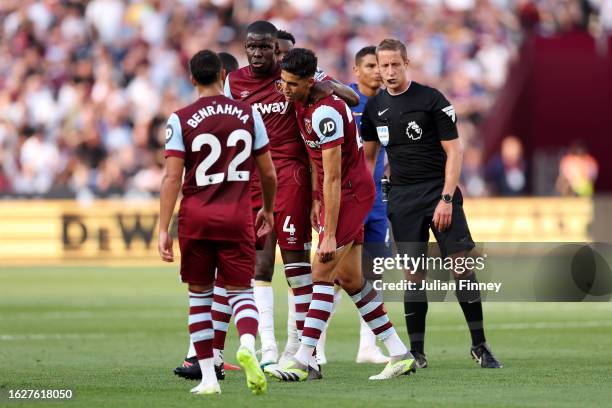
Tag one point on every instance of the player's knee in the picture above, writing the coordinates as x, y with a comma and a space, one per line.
193, 287
263, 275
264, 267
351, 284
233, 287
322, 273
295, 256
264, 271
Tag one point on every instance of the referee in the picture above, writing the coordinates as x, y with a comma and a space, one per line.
416, 125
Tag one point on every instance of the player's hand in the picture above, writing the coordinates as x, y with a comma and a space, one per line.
321, 90
315, 210
327, 249
165, 247
264, 222
442, 215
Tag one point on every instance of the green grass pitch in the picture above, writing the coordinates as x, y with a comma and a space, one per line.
113, 335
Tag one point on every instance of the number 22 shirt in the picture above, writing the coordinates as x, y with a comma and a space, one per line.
218, 138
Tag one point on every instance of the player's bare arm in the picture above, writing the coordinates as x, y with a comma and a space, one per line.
332, 170
454, 156
267, 176
169, 191
370, 149
316, 203
344, 92
324, 89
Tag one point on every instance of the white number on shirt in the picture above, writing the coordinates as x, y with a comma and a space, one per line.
203, 179
290, 228
232, 140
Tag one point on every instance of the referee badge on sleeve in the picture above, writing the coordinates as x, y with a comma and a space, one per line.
383, 134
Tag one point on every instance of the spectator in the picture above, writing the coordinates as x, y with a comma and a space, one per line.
577, 172
507, 171
472, 174
93, 77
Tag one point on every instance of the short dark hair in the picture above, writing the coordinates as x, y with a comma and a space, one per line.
301, 62
228, 61
205, 67
391, 44
369, 50
262, 27
285, 35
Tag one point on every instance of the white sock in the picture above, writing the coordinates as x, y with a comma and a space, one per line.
395, 346
367, 338
264, 300
293, 341
218, 356
313, 362
191, 352
208, 371
304, 354
248, 341
323, 337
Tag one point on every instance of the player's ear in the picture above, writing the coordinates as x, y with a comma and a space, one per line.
223, 75
311, 82
356, 71
193, 81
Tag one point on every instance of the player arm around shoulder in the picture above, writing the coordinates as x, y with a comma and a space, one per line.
344, 92
325, 86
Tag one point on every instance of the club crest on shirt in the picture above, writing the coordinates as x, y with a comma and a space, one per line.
244, 94
308, 125
279, 85
414, 131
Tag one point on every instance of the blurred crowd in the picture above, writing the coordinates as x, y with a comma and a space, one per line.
86, 86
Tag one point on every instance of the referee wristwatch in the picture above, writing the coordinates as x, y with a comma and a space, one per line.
447, 198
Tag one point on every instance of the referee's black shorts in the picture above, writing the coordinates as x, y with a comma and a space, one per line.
410, 210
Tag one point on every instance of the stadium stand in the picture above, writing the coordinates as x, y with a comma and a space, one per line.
86, 86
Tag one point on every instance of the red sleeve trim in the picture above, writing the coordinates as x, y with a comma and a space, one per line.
175, 153
333, 143
261, 150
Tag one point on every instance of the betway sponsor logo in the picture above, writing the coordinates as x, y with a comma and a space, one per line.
276, 107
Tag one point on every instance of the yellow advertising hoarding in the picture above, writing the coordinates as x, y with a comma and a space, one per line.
36, 232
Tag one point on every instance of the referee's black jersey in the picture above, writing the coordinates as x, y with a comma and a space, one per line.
410, 126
